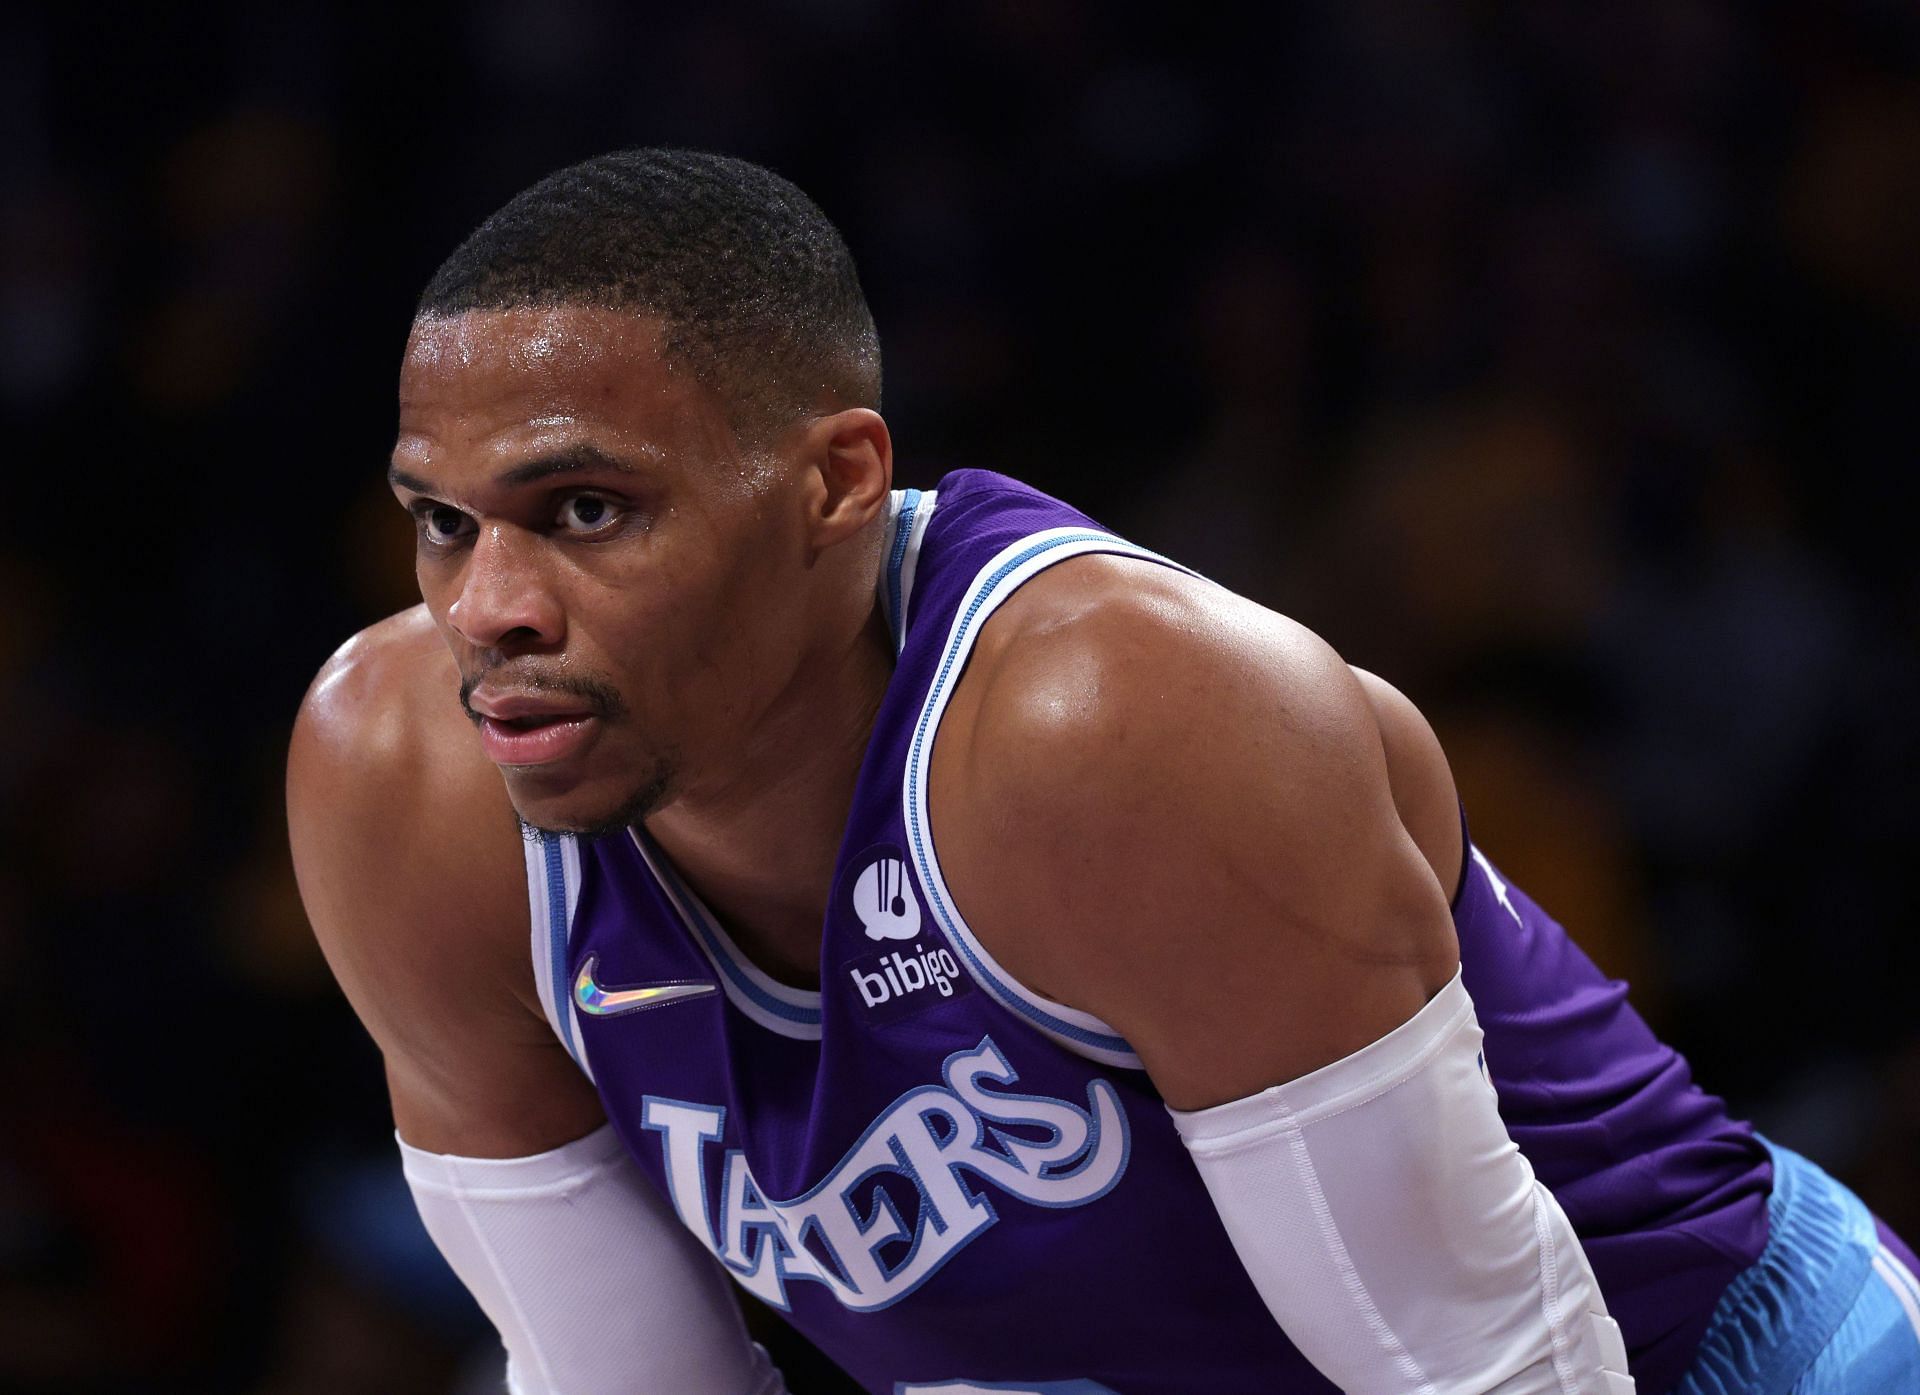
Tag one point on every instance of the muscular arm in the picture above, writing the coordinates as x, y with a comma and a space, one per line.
1160, 804
1171, 808
410, 864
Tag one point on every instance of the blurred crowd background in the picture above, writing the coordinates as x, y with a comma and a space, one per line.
1555, 360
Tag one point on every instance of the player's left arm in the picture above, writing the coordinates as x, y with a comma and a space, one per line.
1163, 805
1169, 807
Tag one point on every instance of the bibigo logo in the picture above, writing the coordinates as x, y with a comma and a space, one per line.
898, 967
885, 902
900, 974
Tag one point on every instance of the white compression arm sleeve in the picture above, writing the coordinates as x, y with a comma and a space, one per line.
594, 1285
1395, 1230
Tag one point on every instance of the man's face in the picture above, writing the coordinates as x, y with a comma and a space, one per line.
620, 583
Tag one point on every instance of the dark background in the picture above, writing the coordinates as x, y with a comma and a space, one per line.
1554, 360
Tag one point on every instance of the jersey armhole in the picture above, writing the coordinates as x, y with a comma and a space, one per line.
553, 893
1079, 1032
1466, 862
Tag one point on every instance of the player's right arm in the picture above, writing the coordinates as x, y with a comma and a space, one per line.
410, 863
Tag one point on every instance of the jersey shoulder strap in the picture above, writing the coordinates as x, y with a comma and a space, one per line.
553, 893
992, 536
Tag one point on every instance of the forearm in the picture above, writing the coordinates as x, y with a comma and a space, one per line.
1395, 1231
594, 1286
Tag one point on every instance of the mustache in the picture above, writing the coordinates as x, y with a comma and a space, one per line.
600, 699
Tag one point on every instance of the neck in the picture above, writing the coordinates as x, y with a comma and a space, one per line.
759, 840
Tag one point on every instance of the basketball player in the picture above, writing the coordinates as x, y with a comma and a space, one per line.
1026, 964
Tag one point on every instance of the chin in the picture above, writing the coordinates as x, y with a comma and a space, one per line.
586, 814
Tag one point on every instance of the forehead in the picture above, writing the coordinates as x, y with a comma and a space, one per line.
476, 375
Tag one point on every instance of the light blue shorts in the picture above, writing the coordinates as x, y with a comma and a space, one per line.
1827, 1309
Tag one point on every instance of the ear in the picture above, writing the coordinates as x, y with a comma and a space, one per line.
851, 456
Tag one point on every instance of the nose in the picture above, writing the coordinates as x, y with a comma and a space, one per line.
504, 597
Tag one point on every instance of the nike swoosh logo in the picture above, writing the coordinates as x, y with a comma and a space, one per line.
590, 997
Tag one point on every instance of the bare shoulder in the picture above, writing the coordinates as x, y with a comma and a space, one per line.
1166, 805
410, 865
1421, 780
382, 689
382, 759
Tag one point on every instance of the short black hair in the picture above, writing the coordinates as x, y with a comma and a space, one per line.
755, 287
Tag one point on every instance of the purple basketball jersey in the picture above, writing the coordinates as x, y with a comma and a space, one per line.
949, 1182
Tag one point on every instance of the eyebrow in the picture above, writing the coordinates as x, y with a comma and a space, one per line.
571, 460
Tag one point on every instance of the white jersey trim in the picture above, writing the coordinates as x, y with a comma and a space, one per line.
553, 894
1077, 1031
779, 1007
908, 513
1906, 1289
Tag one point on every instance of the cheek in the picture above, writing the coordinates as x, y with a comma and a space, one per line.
712, 656
441, 582
439, 588
696, 641
758, 609
645, 634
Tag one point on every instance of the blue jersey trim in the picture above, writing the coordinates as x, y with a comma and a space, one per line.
959, 644
557, 934
902, 534
694, 914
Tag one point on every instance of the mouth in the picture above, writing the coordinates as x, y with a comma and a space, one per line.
538, 723
539, 738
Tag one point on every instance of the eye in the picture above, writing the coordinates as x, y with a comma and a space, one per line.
441, 524
587, 513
